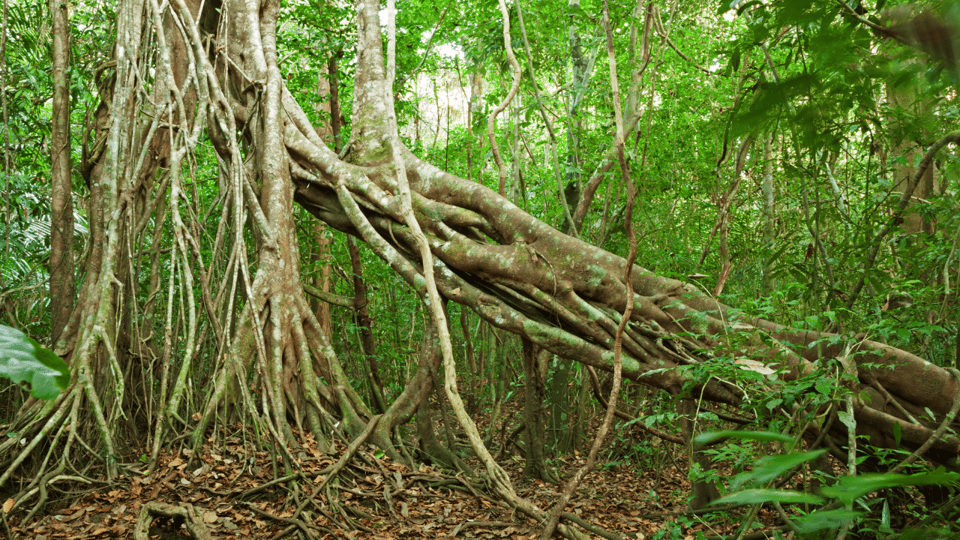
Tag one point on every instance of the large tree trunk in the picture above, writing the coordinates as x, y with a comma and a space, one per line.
296, 369
566, 295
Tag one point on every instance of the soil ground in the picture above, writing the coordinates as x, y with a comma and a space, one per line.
234, 493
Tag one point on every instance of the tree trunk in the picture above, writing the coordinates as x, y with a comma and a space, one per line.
534, 437
62, 287
704, 491
368, 346
769, 215
320, 255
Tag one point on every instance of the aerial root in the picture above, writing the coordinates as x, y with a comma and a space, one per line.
49, 479
49, 431
189, 516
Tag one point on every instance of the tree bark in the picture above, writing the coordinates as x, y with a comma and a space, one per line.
769, 214
368, 346
534, 436
62, 286
704, 491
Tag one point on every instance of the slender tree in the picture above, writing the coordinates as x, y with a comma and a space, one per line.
62, 286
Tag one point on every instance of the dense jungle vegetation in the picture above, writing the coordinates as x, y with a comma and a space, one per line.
590, 268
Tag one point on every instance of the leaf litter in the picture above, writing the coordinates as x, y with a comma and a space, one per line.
239, 494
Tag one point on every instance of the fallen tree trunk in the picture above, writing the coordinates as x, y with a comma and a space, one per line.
566, 296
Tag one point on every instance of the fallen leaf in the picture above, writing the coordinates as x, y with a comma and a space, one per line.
753, 365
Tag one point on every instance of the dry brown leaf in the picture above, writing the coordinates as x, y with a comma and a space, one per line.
753, 365
76, 515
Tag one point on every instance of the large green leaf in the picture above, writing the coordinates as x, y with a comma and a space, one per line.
770, 467
24, 360
828, 519
849, 488
711, 437
758, 496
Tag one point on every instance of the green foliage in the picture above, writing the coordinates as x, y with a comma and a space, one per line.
770, 467
847, 492
760, 436
759, 496
24, 361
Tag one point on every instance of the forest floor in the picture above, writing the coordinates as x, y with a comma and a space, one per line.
233, 494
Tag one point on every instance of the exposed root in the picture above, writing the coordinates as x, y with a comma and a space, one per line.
187, 515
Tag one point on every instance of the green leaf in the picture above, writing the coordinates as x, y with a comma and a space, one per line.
747, 5
778, 254
735, 61
826, 386
773, 404
770, 467
24, 360
757, 496
897, 433
850, 488
762, 436
885, 518
830, 519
